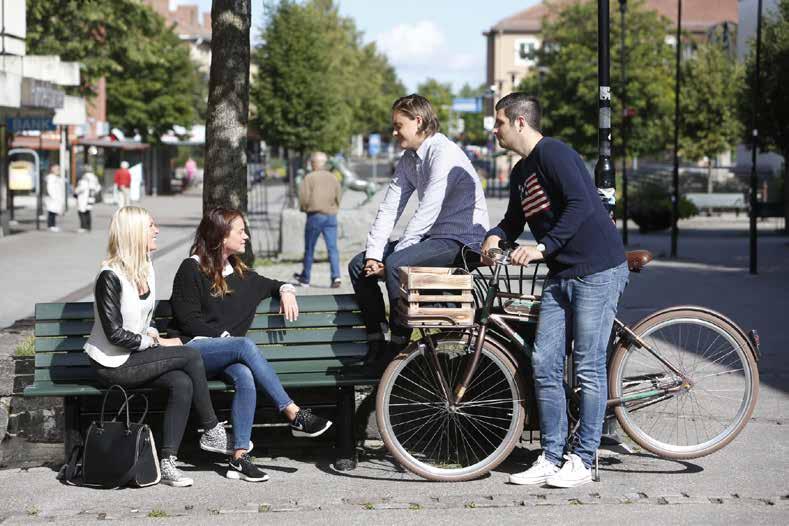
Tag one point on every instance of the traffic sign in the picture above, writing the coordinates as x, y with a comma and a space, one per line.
467, 105
374, 144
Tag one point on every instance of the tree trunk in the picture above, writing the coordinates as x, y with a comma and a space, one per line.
225, 178
709, 175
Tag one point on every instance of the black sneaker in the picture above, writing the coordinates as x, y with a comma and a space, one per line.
243, 468
308, 425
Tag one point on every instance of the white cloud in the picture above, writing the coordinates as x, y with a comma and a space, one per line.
420, 50
409, 44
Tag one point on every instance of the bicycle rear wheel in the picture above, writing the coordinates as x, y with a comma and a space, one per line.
688, 417
435, 441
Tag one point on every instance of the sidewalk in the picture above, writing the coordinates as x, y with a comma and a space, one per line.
747, 482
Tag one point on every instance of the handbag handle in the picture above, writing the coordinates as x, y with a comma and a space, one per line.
125, 404
128, 403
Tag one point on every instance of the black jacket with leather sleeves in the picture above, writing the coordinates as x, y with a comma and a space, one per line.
108, 304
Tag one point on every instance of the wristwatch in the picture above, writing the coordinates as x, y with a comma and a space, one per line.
541, 248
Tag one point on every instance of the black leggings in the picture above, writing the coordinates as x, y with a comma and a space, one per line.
180, 370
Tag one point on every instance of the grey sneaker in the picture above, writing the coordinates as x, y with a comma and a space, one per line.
218, 440
171, 475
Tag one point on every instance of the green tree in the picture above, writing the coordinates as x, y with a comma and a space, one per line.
565, 78
297, 92
147, 67
773, 114
708, 104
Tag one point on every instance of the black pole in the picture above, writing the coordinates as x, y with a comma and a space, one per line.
755, 141
604, 169
675, 177
625, 118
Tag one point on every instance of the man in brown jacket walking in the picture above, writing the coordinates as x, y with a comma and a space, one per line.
319, 197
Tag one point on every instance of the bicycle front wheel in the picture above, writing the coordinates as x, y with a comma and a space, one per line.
433, 439
701, 409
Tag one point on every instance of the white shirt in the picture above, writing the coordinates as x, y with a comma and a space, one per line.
451, 200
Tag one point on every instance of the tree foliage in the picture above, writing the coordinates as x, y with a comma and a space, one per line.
147, 67
565, 78
316, 83
708, 104
773, 124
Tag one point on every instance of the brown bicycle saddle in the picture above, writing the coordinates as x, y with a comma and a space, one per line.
636, 259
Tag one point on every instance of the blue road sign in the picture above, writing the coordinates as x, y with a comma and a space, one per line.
473, 105
374, 144
23, 123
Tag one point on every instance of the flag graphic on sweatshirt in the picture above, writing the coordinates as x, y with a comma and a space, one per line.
533, 197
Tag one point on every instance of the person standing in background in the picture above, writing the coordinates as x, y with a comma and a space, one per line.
319, 197
55, 200
123, 185
87, 188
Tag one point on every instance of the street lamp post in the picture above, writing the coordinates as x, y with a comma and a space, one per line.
604, 169
755, 141
675, 177
625, 117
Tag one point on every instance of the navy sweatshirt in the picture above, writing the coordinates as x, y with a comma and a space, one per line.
552, 191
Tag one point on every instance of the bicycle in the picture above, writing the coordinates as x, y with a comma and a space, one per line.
683, 382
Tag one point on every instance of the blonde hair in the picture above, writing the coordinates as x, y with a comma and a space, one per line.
127, 250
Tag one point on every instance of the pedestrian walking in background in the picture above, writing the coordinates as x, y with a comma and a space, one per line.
190, 171
87, 189
55, 200
123, 185
319, 197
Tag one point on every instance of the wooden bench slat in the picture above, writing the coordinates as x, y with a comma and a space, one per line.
356, 376
48, 374
325, 303
261, 321
260, 337
273, 353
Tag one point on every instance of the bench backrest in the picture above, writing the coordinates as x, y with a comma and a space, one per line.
325, 346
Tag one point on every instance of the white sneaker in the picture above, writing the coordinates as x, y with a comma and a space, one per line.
54, 229
538, 473
572, 474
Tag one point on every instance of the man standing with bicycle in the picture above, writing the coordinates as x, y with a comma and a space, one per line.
552, 191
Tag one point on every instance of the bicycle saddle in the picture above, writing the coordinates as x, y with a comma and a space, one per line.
636, 259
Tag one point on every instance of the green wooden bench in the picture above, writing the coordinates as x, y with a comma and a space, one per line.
325, 347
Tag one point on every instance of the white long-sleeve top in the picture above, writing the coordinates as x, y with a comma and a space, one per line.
451, 201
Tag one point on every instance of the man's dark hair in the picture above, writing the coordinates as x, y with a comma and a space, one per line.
518, 103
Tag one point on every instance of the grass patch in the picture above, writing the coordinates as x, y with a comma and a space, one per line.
368, 506
263, 262
157, 514
414, 506
32, 511
27, 347
264, 508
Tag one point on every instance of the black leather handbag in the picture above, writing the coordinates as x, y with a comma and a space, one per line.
120, 453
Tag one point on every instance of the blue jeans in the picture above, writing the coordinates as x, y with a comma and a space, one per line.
239, 361
318, 224
427, 253
580, 311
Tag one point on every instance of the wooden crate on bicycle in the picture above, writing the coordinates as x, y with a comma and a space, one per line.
426, 291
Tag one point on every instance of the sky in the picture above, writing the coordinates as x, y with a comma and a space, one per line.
441, 39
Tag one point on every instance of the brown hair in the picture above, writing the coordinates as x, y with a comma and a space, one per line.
209, 244
518, 103
414, 106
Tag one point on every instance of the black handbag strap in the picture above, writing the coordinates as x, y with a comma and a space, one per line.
125, 404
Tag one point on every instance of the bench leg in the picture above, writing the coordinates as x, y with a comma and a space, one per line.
346, 446
72, 434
